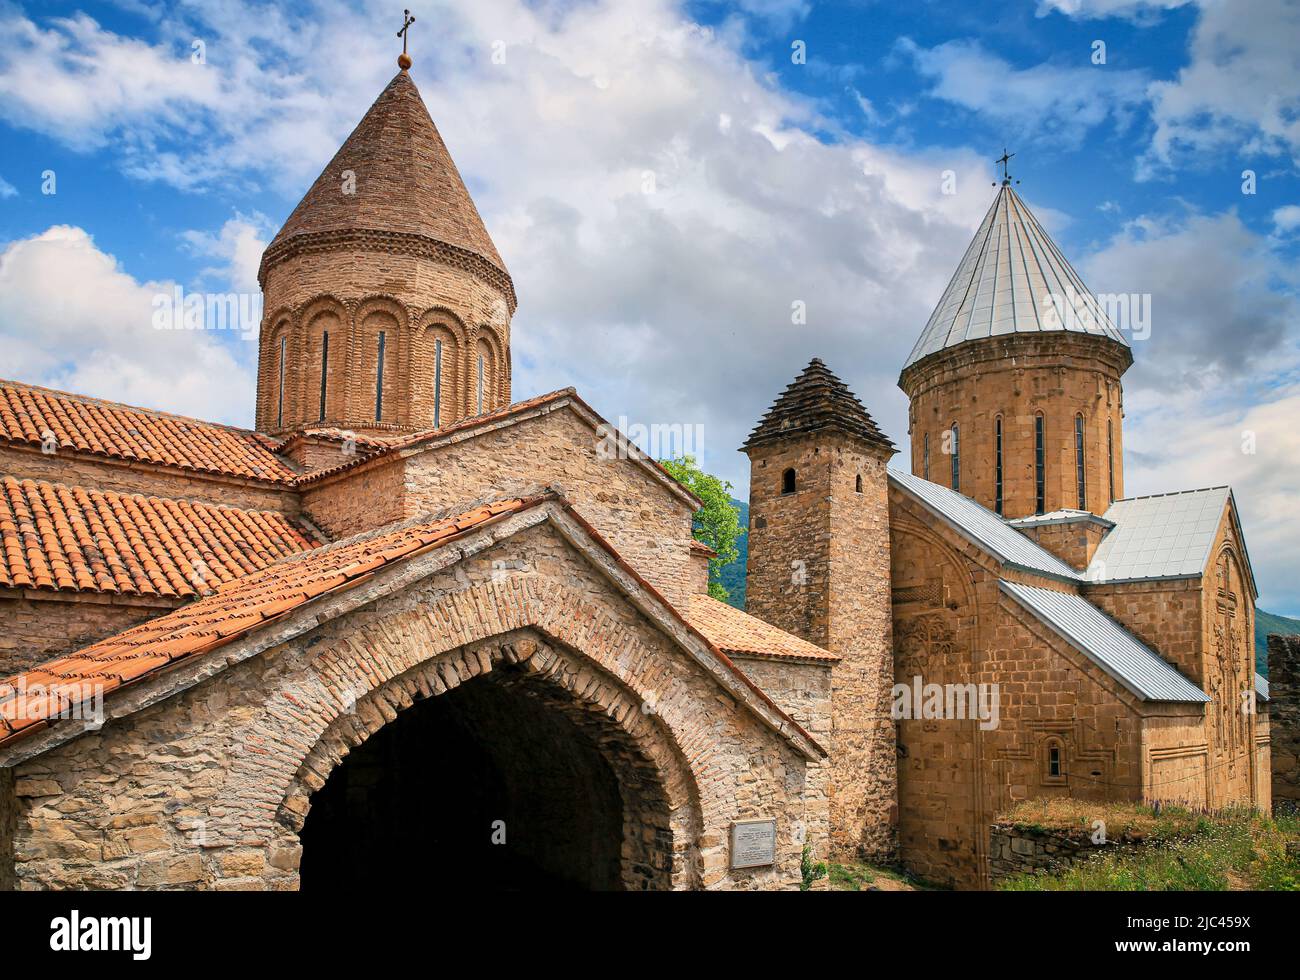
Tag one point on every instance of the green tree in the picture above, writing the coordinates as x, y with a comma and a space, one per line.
717, 523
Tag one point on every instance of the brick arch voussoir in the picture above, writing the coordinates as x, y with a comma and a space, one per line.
315, 717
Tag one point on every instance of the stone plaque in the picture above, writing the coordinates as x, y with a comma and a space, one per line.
753, 843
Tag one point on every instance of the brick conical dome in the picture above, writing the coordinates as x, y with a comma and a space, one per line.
387, 307
816, 400
405, 183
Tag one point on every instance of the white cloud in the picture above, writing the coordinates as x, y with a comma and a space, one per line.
7, 189
238, 247
72, 318
1223, 302
1286, 219
1238, 92
1058, 101
1133, 9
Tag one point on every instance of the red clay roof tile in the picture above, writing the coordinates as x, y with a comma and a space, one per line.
71, 538
233, 610
733, 631
73, 423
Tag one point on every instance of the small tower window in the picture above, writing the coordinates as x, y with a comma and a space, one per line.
997, 464
1080, 477
925, 458
956, 457
1040, 465
1110, 457
1054, 762
480, 384
379, 378
324, 369
437, 384
858, 484
279, 398
788, 481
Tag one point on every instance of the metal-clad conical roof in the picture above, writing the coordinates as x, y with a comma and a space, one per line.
405, 182
814, 401
1012, 279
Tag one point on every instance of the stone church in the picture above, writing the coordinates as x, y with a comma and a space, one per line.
410, 626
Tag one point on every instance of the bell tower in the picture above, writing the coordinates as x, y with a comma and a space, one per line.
819, 568
387, 306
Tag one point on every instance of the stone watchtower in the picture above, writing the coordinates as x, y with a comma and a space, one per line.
819, 568
1015, 382
387, 307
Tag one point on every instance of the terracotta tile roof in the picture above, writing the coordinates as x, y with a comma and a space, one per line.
61, 537
733, 631
699, 547
89, 425
234, 609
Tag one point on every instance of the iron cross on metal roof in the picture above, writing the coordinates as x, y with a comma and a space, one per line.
404, 60
1004, 160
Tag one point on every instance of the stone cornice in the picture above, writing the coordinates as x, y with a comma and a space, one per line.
399, 243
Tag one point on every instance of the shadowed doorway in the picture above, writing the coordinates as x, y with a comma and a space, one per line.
421, 801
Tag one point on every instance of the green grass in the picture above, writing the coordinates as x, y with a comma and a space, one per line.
1232, 851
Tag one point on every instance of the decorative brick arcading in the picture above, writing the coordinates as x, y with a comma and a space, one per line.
387, 242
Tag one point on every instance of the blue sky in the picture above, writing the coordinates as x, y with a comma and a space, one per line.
771, 180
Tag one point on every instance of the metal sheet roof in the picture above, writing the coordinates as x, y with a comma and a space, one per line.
1110, 645
984, 527
1261, 687
1164, 536
1012, 279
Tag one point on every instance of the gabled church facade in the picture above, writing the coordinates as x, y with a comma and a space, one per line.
408, 627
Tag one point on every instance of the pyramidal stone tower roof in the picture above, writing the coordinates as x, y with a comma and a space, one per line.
1012, 279
405, 183
815, 401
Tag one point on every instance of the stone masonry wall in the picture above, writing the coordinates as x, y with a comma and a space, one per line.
105, 474
1284, 717
953, 625
648, 525
207, 788
37, 626
1019, 850
1061, 375
819, 568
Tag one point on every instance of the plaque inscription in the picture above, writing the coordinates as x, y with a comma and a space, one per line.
753, 843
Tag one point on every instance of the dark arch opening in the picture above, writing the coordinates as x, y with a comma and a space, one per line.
787, 481
421, 800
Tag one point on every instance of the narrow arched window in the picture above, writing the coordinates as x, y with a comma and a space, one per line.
858, 484
480, 384
324, 369
437, 384
787, 481
997, 464
925, 458
379, 378
1054, 761
279, 397
1110, 457
1040, 466
1080, 473
956, 457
